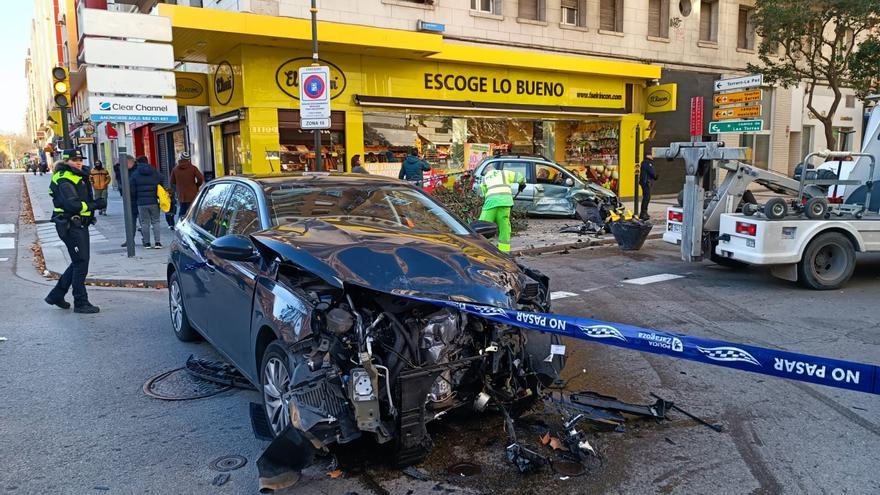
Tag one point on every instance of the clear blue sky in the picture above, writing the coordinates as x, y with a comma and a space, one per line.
15, 38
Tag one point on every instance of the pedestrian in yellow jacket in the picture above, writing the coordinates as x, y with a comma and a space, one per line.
100, 179
498, 201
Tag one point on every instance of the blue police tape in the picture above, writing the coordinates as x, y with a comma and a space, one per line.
802, 367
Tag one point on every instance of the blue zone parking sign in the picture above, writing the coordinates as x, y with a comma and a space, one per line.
314, 98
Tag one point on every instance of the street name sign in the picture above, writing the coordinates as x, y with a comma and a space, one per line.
736, 126
736, 112
315, 123
100, 51
738, 97
126, 109
314, 92
750, 81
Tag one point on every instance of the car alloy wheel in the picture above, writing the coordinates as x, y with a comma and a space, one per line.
176, 303
275, 380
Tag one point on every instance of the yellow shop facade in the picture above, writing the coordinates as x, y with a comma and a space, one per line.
393, 90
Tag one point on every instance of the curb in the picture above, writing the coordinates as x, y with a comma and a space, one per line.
575, 245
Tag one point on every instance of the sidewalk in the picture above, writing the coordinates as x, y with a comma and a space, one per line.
110, 264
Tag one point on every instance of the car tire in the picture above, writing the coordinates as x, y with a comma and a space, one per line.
183, 330
775, 209
828, 262
274, 379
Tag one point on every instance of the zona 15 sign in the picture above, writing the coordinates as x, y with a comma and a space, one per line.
287, 77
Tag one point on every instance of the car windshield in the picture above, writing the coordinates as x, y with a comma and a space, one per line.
388, 206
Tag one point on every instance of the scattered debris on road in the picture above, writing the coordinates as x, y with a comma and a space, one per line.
217, 372
702, 421
220, 479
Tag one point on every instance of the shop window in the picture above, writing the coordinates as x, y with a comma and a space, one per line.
487, 6
709, 21
298, 144
658, 18
611, 15
211, 207
745, 37
850, 101
592, 150
535, 10
759, 145
806, 141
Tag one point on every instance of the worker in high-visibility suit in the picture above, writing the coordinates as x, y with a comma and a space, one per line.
499, 201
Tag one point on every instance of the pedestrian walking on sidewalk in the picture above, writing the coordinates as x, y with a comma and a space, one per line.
499, 201
647, 176
129, 162
100, 178
186, 179
73, 213
144, 183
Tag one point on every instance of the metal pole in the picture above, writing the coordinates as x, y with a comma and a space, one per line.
314, 10
638, 171
65, 129
126, 194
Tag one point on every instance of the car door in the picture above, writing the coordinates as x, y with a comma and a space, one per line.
195, 272
233, 282
552, 186
521, 199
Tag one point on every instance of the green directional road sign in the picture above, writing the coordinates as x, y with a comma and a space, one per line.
736, 126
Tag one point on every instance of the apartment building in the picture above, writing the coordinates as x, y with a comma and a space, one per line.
693, 43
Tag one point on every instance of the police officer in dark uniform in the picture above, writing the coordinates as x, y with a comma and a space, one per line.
74, 210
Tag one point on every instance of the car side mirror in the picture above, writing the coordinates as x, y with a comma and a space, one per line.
485, 229
569, 182
234, 247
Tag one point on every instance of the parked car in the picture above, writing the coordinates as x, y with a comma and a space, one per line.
307, 284
551, 189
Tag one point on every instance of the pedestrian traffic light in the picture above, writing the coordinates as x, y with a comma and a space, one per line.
61, 87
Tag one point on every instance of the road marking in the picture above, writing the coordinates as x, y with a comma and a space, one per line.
594, 289
662, 277
7, 228
7, 243
4, 260
560, 294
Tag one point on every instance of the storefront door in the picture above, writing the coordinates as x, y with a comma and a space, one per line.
231, 149
298, 145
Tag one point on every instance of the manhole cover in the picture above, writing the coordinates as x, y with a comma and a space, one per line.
179, 384
228, 463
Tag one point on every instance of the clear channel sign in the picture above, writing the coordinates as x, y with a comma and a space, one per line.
736, 126
132, 109
314, 96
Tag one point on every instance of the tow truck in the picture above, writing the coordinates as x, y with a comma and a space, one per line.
811, 239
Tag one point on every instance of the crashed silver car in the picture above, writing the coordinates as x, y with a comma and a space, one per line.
317, 288
551, 190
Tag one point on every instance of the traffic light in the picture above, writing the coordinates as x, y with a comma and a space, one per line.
61, 87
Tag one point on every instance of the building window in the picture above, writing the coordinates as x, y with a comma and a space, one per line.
658, 18
709, 21
574, 13
850, 101
534, 10
745, 37
611, 15
487, 6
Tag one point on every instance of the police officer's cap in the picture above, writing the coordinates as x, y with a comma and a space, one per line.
72, 154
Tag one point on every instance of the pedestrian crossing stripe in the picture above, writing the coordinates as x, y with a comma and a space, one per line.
7, 228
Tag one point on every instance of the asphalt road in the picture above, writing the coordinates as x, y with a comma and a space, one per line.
74, 418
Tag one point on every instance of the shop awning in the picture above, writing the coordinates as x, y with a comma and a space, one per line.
384, 101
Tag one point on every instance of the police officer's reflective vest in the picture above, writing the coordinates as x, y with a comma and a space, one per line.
498, 182
81, 189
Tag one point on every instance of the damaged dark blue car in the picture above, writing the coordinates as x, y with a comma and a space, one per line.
307, 284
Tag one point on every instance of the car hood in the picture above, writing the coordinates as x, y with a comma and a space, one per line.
441, 266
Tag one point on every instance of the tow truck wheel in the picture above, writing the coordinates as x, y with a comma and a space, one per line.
749, 209
274, 380
775, 209
828, 262
816, 208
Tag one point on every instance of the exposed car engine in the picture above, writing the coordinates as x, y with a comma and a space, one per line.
385, 365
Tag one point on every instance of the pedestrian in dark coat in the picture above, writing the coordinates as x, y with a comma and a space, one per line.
356, 167
647, 176
413, 167
144, 185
